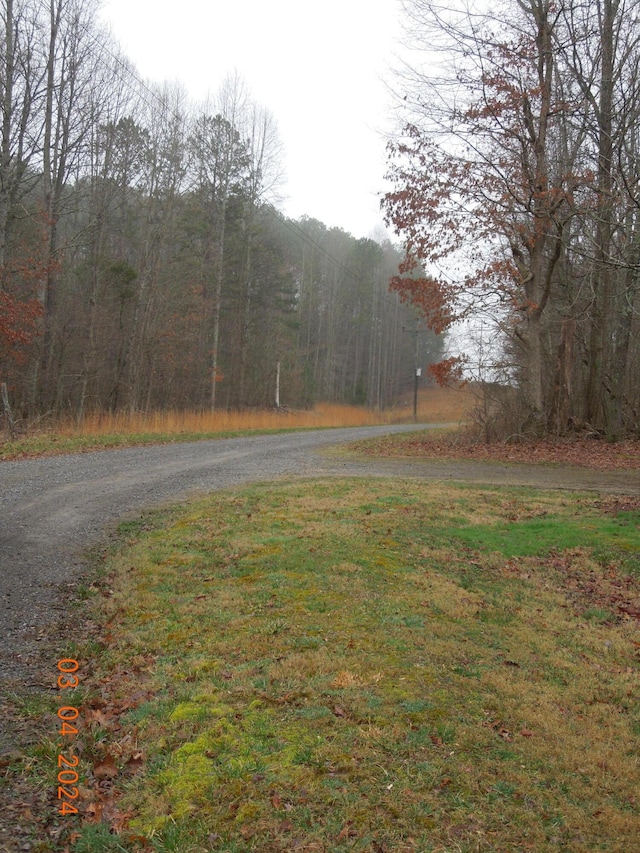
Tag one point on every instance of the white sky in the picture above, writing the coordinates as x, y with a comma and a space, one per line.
318, 67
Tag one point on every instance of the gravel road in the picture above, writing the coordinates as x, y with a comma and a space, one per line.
52, 509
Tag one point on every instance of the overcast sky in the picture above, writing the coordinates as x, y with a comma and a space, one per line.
318, 67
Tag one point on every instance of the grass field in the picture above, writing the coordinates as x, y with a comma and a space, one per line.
103, 431
364, 666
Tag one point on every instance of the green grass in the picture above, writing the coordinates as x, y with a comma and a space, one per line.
522, 528
371, 665
540, 536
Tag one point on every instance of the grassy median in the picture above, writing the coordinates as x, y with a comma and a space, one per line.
366, 666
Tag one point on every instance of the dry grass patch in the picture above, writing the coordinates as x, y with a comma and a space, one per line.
336, 666
104, 430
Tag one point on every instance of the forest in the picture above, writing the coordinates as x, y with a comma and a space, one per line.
144, 263
516, 187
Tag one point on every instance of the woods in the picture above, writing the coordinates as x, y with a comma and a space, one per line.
516, 190
144, 263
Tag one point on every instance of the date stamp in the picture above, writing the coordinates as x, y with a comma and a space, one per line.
68, 762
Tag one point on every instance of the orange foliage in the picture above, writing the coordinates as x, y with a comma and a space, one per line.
18, 325
449, 371
432, 297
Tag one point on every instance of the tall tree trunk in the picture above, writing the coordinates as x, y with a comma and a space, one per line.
246, 311
597, 397
6, 81
50, 165
217, 307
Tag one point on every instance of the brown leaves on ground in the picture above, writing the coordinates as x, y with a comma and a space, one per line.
581, 452
585, 582
106, 761
588, 585
615, 504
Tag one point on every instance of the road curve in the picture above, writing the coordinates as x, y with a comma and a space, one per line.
52, 509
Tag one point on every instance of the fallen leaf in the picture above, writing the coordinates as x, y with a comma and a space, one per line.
134, 764
347, 831
94, 812
106, 769
96, 715
10, 758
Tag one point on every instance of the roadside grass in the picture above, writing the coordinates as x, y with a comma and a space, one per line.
102, 431
369, 665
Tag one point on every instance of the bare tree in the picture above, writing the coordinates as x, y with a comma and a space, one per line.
511, 186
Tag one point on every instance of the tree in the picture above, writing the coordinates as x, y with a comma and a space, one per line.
505, 181
75, 95
219, 164
22, 72
604, 64
264, 149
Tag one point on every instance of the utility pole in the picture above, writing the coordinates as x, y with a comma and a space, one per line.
417, 371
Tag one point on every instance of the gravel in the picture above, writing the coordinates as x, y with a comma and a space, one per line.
53, 509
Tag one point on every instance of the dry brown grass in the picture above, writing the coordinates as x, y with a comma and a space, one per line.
434, 405
197, 422
439, 405
103, 430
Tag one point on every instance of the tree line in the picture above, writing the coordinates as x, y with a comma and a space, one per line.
143, 260
517, 191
